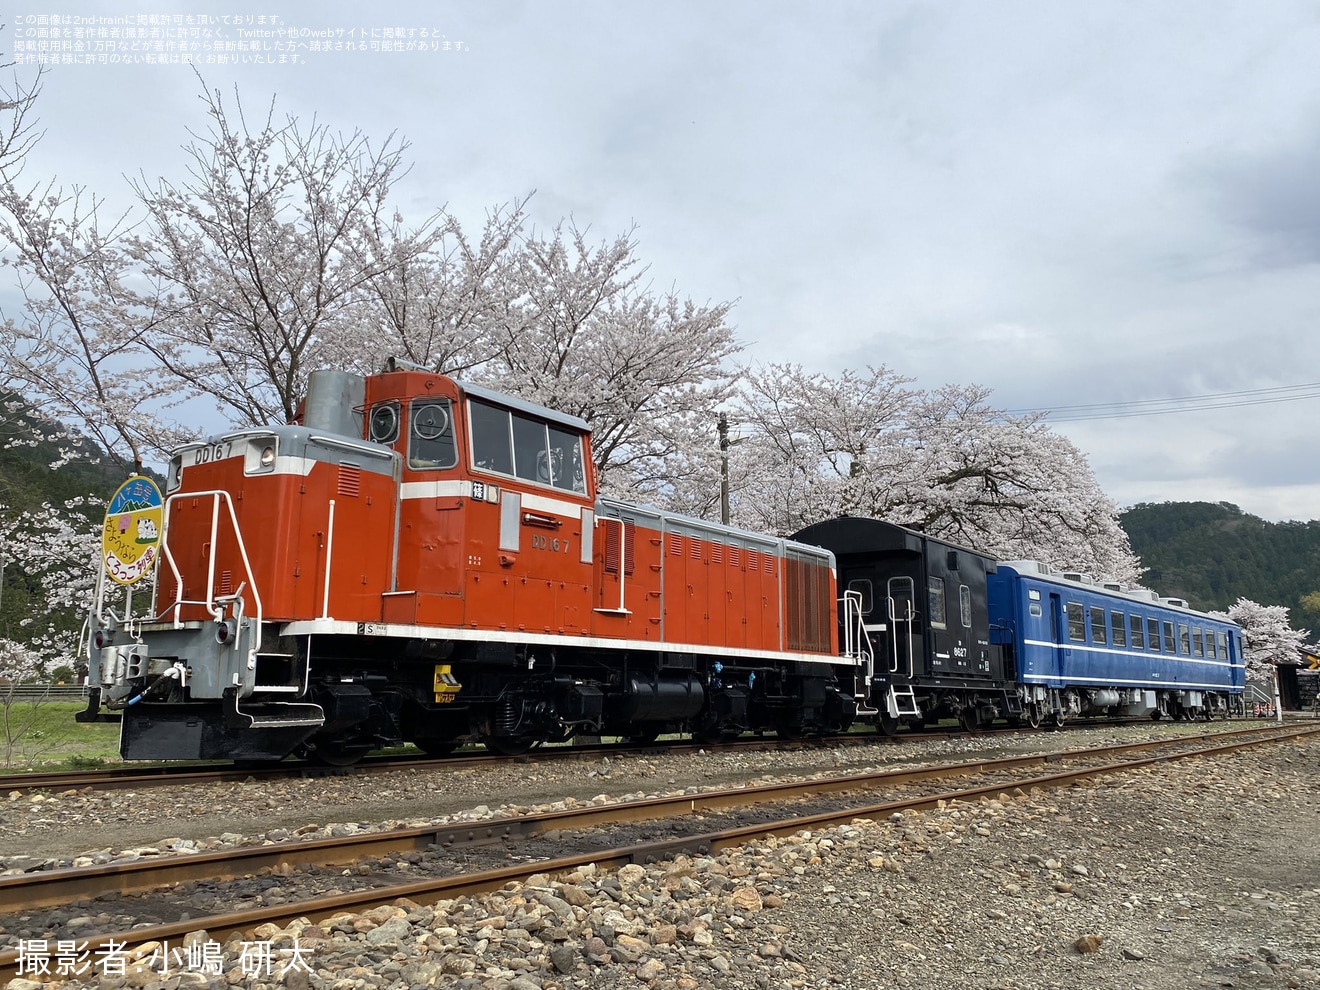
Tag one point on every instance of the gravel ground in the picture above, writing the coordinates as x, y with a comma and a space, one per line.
1185, 875
54, 828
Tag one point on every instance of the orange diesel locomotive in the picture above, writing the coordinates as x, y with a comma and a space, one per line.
426, 561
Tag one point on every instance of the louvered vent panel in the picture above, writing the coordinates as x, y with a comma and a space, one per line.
350, 480
611, 548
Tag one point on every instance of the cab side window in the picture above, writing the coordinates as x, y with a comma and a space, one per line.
492, 445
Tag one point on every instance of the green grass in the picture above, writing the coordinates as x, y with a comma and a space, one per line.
44, 734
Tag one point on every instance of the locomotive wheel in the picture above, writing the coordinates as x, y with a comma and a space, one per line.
1034, 717
1057, 718
510, 745
886, 724
917, 725
970, 719
1156, 715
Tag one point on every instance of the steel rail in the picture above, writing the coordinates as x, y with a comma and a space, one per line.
46, 888
59, 887
123, 778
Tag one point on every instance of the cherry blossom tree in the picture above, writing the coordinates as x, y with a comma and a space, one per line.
818, 446
441, 307
583, 335
18, 124
263, 258
76, 348
1009, 486
1267, 638
945, 461
57, 547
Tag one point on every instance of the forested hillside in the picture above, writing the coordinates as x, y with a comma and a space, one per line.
1214, 553
29, 446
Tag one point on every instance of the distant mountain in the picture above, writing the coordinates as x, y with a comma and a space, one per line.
1212, 554
29, 444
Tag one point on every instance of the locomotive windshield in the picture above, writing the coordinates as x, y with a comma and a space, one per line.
431, 435
518, 444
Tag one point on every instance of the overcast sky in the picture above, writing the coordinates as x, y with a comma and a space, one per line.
1069, 203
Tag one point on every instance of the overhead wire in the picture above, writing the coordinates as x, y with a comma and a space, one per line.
1178, 404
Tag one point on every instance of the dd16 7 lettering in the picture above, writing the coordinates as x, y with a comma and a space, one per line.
552, 543
213, 452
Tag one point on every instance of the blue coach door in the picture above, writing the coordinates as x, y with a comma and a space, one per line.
1059, 632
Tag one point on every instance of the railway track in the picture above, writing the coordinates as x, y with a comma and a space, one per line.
137, 777
802, 804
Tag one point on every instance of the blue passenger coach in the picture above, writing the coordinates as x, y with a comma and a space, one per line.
1078, 647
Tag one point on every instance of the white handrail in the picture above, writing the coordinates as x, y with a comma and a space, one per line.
329, 553
210, 604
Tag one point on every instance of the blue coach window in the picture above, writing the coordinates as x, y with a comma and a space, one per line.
1097, 625
1184, 640
1138, 637
1153, 634
1197, 651
1117, 629
1076, 623
1170, 646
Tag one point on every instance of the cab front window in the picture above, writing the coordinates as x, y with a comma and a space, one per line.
431, 435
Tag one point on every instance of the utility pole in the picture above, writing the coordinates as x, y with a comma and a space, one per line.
724, 468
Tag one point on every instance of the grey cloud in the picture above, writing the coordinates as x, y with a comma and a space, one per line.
1271, 194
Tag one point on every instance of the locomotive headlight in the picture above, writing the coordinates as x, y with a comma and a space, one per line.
225, 630
174, 477
260, 455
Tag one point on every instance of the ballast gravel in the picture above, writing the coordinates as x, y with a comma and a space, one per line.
1198, 873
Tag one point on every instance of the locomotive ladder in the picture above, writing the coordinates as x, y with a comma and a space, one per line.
857, 648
